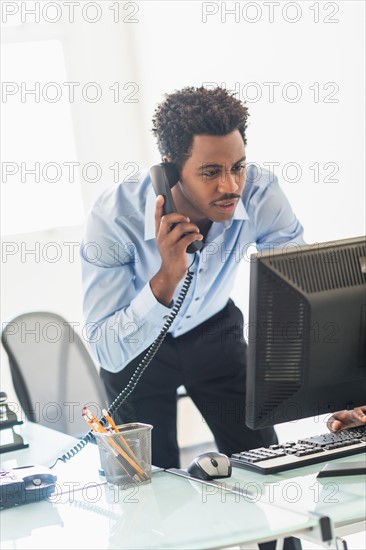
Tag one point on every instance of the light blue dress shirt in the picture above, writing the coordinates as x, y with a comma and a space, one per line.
120, 256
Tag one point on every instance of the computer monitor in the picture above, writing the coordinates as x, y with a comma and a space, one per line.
307, 331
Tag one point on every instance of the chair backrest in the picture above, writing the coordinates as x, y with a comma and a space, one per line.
53, 373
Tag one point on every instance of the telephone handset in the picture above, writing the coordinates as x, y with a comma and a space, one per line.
163, 177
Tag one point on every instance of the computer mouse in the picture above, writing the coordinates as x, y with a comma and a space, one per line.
212, 465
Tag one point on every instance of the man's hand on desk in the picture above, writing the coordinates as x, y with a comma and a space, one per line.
347, 419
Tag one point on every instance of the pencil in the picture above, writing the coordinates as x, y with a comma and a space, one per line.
110, 420
116, 451
101, 429
126, 447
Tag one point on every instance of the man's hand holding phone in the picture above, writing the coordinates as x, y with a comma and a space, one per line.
174, 232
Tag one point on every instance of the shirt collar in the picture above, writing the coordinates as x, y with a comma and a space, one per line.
239, 214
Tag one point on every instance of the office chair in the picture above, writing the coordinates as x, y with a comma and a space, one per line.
53, 373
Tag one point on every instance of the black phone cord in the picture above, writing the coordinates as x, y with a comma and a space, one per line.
132, 383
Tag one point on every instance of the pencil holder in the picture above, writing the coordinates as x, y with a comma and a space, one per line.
125, 455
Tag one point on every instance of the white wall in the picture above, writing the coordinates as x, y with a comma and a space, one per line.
312, 49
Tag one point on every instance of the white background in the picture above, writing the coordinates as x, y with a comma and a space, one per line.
310, 54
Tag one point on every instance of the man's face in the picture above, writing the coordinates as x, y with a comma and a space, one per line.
212, 179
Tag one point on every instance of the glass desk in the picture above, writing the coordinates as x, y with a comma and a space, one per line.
172, 511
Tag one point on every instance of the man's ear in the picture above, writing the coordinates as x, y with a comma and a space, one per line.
166, 159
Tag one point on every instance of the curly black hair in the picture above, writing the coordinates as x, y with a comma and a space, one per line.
196, 111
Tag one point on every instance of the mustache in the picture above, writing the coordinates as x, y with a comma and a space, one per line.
226, 197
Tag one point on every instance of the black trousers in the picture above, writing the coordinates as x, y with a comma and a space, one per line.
210, 361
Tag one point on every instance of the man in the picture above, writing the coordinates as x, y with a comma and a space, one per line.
136, 273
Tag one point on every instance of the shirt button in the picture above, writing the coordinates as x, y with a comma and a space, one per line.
200, 270
166, 317
188, 316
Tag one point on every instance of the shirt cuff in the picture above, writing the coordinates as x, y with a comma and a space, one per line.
146, 307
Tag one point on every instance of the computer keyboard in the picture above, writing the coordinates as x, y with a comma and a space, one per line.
309, 450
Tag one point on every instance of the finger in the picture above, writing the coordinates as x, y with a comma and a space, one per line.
330, 422
172, 230
182, 228
338, 420
346, 419
179, 240
349, 418
167, 219
187, 239
334, 425
174, 218
158, 211
359, 414
181, 246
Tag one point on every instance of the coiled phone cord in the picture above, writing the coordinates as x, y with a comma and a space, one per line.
132, 383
